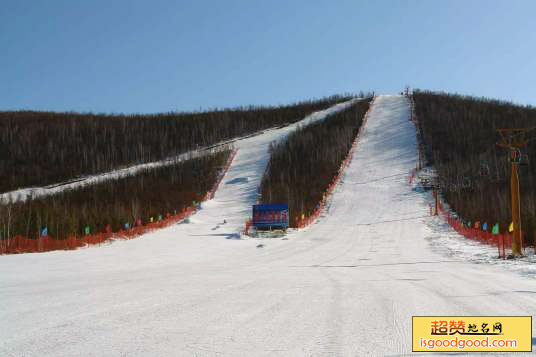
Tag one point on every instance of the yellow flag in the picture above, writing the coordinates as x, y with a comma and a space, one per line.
511, 227
302, 216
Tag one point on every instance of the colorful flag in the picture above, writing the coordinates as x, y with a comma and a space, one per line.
87, 230
511, 227
159, 217
485, 227
495, 229
127, 226
44, 232
151, 219
477, 224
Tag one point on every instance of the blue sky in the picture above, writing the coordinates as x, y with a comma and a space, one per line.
157, 56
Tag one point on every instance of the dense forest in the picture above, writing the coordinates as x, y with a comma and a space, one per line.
459, 135
41, 148
150, 193
302, 167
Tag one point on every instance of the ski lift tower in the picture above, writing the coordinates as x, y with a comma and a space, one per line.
514, 140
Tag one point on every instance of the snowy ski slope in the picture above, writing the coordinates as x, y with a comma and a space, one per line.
345, 286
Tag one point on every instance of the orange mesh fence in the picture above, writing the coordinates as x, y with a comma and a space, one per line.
503, 241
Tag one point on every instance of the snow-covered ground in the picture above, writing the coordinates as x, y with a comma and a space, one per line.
347, 285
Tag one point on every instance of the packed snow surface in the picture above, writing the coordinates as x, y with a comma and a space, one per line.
346, 286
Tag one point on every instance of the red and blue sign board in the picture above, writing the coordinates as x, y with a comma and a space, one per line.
270, 216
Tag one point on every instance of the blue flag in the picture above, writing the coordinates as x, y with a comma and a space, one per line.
44, 232
126, 226
485, 227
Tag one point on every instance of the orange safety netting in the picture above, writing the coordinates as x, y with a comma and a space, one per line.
502, 241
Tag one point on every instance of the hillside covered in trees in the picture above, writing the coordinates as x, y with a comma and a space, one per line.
459, 135
110, 205
41, 148
302, 167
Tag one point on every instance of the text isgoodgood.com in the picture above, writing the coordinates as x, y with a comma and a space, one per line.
462, 343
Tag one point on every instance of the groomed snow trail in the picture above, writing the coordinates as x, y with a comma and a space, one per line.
345, 286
